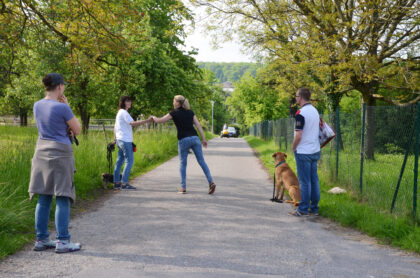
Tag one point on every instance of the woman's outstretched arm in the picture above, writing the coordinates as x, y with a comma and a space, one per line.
165, 118
138, 123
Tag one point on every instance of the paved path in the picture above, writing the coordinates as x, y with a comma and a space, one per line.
238, 232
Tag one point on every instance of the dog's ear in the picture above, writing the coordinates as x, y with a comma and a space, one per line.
285, 155
274, 155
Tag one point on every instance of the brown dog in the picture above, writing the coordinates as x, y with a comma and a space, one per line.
286, 178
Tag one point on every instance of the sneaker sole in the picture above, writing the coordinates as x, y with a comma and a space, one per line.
66, 251
211, 191
60, 251
43, 248
298, 214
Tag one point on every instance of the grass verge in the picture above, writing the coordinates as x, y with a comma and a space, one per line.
347, 210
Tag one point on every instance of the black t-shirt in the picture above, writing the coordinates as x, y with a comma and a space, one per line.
183, 120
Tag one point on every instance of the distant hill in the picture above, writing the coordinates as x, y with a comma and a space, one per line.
230, 71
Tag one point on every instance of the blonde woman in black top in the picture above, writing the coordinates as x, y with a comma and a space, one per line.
185, 120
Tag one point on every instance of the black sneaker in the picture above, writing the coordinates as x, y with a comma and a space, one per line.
182, 191
127, 186
313, 213
117, 185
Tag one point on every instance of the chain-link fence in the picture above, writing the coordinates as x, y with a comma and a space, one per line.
374, 155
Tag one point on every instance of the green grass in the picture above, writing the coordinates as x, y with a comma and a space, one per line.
380, 178
17, 145
351, 210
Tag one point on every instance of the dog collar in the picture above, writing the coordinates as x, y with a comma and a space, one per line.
280, 163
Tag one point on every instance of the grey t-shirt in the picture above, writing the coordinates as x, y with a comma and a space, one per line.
51, 119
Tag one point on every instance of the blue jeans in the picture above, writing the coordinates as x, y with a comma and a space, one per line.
184, 145
307, 166
125, 154
62, 216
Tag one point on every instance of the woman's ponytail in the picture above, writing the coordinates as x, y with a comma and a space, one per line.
183, 102
186, 104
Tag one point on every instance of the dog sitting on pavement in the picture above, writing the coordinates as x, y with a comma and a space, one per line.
285, 179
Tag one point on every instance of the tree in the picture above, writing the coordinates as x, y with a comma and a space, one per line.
230, 71
350, 44
252, 102
215, 93
90, 36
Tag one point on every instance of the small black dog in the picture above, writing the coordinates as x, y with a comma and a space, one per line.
107, 179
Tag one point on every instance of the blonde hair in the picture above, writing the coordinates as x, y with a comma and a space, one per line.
182, 101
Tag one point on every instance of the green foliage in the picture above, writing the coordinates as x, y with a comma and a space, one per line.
332, 47
230, 71
252, 102
104, 50
350, 102
392, 121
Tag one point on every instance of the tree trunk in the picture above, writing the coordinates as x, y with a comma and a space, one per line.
333, 102
23, 115
85, 117
367, 96
368, 90
83, 107
370, 128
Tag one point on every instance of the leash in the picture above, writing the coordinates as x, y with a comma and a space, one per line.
274, 184
110, 148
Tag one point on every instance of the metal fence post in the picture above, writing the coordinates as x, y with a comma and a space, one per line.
416, 161
362, 147
338, 141
280, 133
407, 151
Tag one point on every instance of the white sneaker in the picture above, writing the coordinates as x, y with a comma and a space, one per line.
41, 245
65, 246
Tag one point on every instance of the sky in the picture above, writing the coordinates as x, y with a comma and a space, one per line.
226, 52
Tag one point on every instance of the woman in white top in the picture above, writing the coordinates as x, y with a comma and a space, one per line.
123, 133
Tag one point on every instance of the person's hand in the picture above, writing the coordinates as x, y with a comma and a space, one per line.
205, 144
70, 132
63, 99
